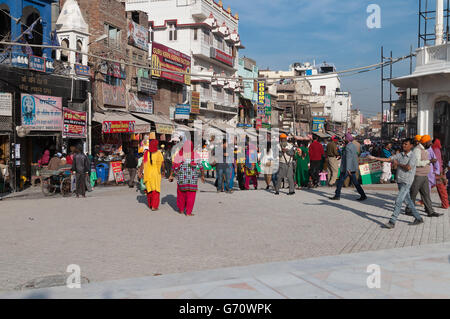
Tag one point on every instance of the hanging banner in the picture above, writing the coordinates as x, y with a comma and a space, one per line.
195, 103
140, 103
74, 124
166, 58
5, 104
41, 112
110, 127
137, 35
222, 57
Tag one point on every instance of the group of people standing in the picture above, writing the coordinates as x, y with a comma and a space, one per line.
419, 167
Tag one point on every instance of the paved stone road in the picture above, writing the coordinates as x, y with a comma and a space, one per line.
112, 234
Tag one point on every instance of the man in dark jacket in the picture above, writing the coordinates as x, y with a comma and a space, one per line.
131, 165
80, 167
349, 166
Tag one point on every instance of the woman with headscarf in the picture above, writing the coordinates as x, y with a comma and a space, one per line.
152, 164
302, 169
251, 172
187, 168
45, 158
441, 181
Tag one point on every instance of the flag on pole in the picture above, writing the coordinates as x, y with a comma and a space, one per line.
29, 31
54, 39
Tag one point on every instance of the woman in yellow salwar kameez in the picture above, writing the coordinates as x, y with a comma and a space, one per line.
151, 167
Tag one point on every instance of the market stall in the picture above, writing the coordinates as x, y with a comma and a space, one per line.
114, 134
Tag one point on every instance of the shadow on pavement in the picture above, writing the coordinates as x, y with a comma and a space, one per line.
171, 200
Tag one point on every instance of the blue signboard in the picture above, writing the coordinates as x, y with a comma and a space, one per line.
318, 124
182, 112
36, 63
81, 69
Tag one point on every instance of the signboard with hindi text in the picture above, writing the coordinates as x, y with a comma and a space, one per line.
137, 35
5, 104
195, 103
74, 124
371, 172
41, 112
166, 58
110, 127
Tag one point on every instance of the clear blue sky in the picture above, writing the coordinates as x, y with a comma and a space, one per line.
277, 33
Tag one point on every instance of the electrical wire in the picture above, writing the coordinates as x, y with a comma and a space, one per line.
351, 71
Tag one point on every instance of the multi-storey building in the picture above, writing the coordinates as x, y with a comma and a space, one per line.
35, 89
248, 71
325, 98
208, 33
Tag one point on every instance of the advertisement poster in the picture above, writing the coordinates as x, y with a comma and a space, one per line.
195, 103
74, 124
137, 35
6, 104
110, 127
140, 103
116, 168
164, 129
166, 58
41, 112
318, 124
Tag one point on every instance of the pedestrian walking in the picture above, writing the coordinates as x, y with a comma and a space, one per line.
441, 181
405, 162
187, 168
131, 166
251, 173
286, 165
223, 169
150, 169
349, 166
267, 161
302, 170
333, 157
421, 182
316, 153
81, 168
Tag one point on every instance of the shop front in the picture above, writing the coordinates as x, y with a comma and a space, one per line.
114, 134
36, 117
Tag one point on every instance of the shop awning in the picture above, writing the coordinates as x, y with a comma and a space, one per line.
139, 125
321, 135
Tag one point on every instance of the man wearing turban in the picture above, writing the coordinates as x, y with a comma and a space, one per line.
421, 182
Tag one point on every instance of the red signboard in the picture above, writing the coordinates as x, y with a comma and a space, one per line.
166, 58
74, 124
222, 57
118, 127
117, 171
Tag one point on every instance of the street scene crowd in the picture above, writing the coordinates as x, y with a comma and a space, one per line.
416, 165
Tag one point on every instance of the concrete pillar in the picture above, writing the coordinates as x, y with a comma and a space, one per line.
439, 29
425, 114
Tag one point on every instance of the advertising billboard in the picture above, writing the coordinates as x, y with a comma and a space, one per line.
166, 58
41, 112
